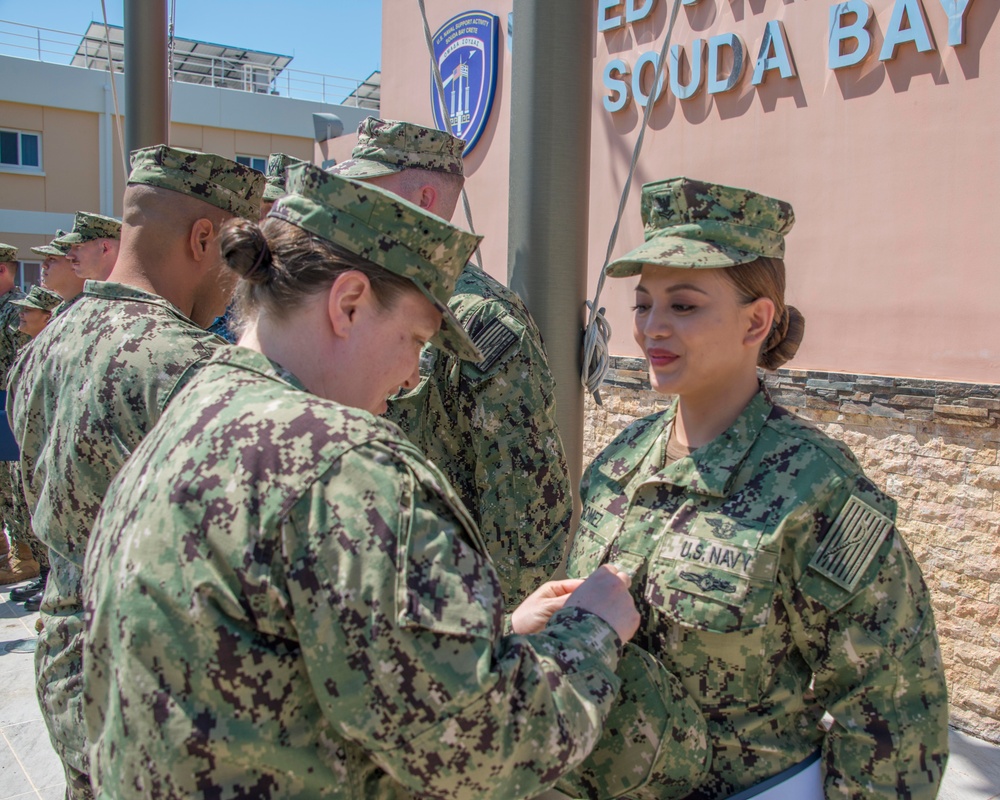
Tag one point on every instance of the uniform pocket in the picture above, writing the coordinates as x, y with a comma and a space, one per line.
587, 552
715, 574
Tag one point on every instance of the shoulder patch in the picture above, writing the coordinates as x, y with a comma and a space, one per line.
493, 340
851, 544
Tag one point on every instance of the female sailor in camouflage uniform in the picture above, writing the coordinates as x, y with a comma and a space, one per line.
286, 598
767, 568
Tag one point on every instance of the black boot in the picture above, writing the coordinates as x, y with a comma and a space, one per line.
30, 590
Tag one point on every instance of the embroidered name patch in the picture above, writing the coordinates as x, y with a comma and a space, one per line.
493, 341
851, 543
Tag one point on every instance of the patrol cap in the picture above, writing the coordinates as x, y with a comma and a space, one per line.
40, 298
277, 163
654, 743
205, 176
386, 146
701, 225
7, 253
388, 231
87, 227
53, 248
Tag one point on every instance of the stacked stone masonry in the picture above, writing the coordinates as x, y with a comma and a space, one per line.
933, 446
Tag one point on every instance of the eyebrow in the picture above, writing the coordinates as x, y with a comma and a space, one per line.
677, 287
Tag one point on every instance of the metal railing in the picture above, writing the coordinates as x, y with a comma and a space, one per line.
62, 47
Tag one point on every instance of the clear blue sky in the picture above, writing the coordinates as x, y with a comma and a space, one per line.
333, 37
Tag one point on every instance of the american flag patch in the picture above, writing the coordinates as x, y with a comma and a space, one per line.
851, 543
493, 341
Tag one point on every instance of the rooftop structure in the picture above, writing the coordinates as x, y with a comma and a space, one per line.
205, 63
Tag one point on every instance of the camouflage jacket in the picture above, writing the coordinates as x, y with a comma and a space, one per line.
764, 561
491, 428
92, 384
288, 600
11, 339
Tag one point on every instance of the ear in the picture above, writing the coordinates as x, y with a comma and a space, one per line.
428, 197
759, 315
200, 238
349, 293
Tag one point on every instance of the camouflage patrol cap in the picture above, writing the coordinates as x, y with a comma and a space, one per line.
7, 253
54, 248
701, 225
40, 298
205, 176
386, 146
389, 232
277, 163
87, 227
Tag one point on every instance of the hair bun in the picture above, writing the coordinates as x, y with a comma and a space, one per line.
785, 338
246, 251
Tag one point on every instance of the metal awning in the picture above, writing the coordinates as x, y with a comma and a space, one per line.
193, 61
368, 94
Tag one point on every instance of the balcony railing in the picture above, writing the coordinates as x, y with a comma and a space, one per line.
208, 69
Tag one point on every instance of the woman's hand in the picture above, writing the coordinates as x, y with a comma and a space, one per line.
532, 615
606, 593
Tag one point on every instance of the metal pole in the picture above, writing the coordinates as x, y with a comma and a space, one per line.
147, 120
551, 88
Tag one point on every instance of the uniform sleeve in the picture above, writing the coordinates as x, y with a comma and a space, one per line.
398, 616
861, 613
525, 499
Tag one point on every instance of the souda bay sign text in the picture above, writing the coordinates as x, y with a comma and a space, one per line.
849, 43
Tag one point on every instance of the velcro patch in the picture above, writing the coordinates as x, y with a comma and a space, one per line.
493, 340
851, 543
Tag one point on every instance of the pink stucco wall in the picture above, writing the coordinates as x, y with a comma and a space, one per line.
893, 169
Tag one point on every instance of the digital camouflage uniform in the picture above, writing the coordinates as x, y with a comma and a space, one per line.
84, 395
43, 300
762, 562
276, 175
768, 570
11, 340
490, 426
288, 600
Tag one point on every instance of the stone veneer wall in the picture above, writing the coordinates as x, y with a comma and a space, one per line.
931, 445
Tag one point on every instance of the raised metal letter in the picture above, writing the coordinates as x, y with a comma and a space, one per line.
918, 32
715, 46
652, 58
686, 92
841, 32
633, 14
612, 84
955, 9
604, 22
774, 35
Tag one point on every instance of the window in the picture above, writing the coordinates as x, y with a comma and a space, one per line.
21, 149
29, 273
258, 163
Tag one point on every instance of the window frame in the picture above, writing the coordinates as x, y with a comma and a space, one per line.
248, 161
19, 279
20, 166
